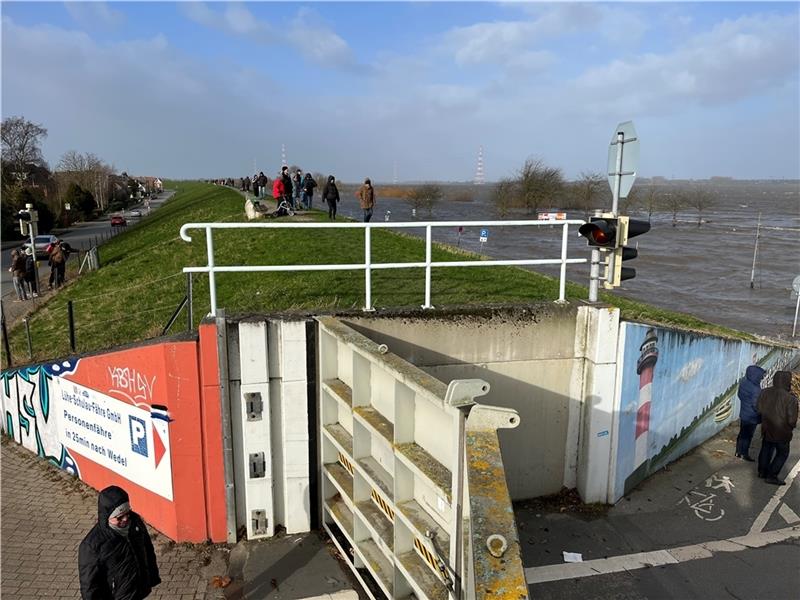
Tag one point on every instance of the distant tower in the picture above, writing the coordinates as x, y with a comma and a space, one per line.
394, 177
479, 180
283, 156
644, 368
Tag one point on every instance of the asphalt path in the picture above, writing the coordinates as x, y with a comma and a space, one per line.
706, 527
81, 235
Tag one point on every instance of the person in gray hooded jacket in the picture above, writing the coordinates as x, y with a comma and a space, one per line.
116, 559
778, 409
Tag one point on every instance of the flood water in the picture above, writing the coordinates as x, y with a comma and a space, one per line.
704, 271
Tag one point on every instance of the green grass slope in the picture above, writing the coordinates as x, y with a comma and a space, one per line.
141, 281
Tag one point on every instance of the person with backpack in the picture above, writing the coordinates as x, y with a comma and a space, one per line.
58, 263
308, 190
331, 195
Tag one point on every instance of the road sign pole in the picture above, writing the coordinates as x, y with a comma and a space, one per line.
618, 176
594, 274
796, 310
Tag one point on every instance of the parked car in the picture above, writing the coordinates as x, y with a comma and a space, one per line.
118, 221
41, 243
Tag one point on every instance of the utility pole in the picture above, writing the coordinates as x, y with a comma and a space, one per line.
755, 252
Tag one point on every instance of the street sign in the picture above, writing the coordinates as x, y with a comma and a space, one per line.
796, 284
630, 158
484, 235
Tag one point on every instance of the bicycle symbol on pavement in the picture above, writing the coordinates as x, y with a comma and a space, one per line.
703, 503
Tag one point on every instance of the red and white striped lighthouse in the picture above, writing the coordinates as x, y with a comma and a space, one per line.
644, 368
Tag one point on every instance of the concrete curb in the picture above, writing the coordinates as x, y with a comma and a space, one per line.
340, 595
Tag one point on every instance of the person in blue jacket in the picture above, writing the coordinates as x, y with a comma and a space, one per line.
749, 389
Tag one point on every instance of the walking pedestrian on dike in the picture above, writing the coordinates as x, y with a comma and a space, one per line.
366, 198
263, 182
116, 559
57, 260
17, 269
778, 409
287, 186
297, 188
308, 190
278, 189
331, 195
749, 389
30, 273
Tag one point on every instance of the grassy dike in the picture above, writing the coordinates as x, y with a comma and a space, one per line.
141, 283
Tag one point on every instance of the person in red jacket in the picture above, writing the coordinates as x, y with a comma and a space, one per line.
278, 189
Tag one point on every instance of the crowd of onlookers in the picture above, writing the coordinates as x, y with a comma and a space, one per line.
295, 191
23, 269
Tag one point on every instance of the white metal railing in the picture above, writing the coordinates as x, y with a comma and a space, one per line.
368, 266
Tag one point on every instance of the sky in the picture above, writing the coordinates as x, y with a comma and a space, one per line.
409, 90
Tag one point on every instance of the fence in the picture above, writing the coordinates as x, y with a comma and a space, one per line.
368, 266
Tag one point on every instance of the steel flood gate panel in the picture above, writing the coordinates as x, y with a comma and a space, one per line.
388, 454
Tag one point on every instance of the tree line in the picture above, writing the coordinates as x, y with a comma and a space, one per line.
536, 186
80, 186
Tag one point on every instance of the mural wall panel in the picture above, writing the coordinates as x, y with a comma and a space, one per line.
677, 390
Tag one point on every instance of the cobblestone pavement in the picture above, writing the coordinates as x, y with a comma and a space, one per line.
46, 513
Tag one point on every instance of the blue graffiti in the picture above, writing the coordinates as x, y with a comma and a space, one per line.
27, 412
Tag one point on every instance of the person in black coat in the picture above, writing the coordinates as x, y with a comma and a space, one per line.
116, 559
331, 195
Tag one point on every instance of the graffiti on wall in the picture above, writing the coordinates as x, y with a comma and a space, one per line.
29, 412
50, 412
678, 389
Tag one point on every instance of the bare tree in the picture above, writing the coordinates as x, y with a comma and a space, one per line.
89, 172
538, 184
650, 199
700, 200
425, 196
673, 202
22, 144
503, 197
588, 192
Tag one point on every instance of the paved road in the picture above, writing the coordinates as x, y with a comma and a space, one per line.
80, 235
706, 527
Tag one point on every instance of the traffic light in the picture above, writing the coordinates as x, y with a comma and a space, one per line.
24, 219
601, 232
627, 228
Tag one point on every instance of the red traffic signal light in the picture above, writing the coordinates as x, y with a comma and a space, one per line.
601, 232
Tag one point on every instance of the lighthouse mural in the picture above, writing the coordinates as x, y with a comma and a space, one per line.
644, 368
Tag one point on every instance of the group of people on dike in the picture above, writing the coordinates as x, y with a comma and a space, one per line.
775, 409
297, 190
23, 269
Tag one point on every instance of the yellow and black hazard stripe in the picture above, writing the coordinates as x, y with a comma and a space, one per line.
383, 505
433, 562
346, 463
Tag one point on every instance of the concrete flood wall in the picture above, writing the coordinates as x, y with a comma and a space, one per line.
528, 357
214, 432
142, 418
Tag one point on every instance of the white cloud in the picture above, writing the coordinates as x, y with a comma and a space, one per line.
734, 60
92, 14
307, 33
690, 369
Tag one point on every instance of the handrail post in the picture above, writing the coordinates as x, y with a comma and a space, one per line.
212, 282
367, 270
427, 267
562, 282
